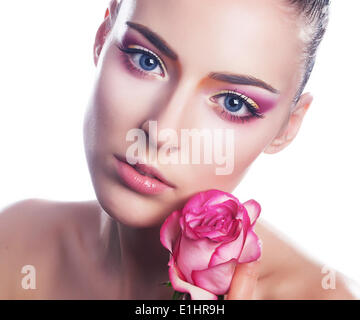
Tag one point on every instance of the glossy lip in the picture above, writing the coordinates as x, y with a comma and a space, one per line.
134, 177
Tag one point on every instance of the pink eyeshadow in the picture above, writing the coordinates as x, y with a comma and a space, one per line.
264, 99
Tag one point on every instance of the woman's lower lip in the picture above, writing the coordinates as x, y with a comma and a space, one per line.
138, 182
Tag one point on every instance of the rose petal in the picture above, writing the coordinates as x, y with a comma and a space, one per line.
204, 199
231, 234
194, 223
231, 250
190, 215
241, 212
232, 225
252, 248
176, 247
189, 232
211, 219
231, 204
215, 279
228, 250
228, 208
222, 209
195, 203
203, 229
215, 197
213, 234
170, 230
253, 209
220, 234
180, 285
194, 255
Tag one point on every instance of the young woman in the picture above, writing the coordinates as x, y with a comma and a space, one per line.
234, 64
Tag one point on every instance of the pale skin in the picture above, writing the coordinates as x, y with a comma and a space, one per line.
109, 248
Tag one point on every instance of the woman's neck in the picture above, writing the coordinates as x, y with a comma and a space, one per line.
140, 257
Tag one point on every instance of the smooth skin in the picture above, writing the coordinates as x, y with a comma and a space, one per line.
62, 240
109, 248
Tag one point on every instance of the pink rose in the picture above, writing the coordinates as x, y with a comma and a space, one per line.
207, 239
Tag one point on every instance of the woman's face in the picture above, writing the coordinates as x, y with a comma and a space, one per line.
182, 86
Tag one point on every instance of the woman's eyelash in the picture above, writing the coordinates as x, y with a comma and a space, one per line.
250, 105
135, 49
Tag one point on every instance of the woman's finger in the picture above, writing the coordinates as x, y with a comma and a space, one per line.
244, 281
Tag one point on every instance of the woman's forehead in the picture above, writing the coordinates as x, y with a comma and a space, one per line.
249, 37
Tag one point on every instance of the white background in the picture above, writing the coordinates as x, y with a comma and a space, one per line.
309, 191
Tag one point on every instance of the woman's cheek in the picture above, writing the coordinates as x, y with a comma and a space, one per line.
233, 156
124, 96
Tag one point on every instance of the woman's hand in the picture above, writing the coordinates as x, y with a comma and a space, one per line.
244, 281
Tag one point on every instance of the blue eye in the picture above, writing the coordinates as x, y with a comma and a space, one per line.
235, 106
147, 62
233, 103
144, 61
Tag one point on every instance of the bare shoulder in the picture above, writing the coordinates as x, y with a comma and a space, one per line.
289, 273
34, 233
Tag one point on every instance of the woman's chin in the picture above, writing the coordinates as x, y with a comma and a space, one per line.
132, 209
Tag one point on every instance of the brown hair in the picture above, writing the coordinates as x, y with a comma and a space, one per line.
315, 16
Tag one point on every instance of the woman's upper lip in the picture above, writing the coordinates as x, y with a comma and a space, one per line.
147, 169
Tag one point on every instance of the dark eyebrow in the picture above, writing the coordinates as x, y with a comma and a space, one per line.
162, 45
155, 39
242, 79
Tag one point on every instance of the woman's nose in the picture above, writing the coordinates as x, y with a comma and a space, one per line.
172, 115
